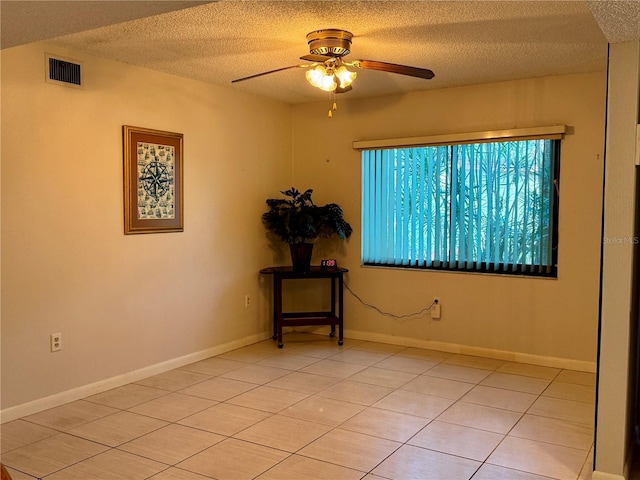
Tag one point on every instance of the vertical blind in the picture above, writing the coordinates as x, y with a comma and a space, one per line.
479, 206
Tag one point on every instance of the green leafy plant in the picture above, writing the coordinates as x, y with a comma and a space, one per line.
296, 219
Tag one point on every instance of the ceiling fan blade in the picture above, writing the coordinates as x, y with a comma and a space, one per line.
312, 57
340, 89
266, 73
394, 68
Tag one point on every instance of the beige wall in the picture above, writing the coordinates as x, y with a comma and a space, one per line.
67, 267
126, 302
540, 317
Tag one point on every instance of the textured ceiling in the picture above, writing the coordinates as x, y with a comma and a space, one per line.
32, 20
463, 42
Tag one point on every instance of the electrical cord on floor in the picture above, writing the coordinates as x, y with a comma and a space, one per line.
389, 314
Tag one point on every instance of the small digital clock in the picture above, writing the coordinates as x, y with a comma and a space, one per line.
328, 264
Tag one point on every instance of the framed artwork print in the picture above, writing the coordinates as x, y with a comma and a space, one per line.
152, 181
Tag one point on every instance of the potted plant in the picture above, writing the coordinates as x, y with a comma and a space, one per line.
297, 221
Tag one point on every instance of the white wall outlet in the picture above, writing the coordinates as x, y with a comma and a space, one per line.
435, 309
247, 300
56, 342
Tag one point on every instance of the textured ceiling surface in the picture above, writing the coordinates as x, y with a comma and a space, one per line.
463, 42
32, 20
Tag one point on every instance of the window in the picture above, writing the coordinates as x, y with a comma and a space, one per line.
482, 207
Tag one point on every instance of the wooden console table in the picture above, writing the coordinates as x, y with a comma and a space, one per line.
292, 319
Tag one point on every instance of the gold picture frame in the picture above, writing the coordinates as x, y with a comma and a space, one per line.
153, 181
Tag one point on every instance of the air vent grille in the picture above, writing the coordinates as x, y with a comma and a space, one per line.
64, 71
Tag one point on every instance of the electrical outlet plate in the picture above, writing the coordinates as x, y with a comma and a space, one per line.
56, 342
247, 300
435, 310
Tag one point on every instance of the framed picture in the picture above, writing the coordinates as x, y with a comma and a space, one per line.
152, 181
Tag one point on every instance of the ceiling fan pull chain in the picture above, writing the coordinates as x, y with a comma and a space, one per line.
334, 106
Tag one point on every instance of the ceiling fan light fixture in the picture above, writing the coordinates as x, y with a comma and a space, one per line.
345, 77
320, 78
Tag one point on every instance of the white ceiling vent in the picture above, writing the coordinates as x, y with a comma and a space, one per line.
63, 71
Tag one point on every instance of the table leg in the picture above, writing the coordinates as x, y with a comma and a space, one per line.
275, 308
277, 321
340, 309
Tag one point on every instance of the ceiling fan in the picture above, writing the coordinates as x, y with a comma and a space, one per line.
328, 69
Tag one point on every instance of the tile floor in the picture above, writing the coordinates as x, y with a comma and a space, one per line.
314, 410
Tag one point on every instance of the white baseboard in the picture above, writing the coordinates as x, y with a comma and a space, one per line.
61, 398
605, 476
35, 406
529, 358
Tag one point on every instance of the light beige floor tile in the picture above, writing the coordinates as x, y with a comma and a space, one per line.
424, 353
552, 430
284, 433
174, 380
326, 411
457, 372
382, 377
315, 350
18, 475
224, 419
355, 392
214, 366
257, 374
500, 398
385, 424
571, 391
175, 473
359, 357
587, 468
493, 472
411, 462
412, 403
548, 373
350, 449
51, 454
331, 368
335, 376
110, 465
581, 378
303, 382
457, 440
218, 389
544, 459
172, 444
576, 412
438, 387
173, 407
70, 415
481, 417
268, 399
234, 459
247, 355
126, 396
118, 428
301, 468
406, 364
19, 433
518, 383
474, 362
288, 361
379, 347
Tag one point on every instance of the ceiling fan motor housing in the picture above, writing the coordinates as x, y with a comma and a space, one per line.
331, 42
